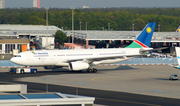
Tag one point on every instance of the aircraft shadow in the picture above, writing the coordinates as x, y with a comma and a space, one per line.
60, 71
118, 68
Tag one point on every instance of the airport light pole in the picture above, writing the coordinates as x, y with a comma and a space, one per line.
132, 27
72, 25
80, 25
108, 26
86, 25
158, 28
47, 8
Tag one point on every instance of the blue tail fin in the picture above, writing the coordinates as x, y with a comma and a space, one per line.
178, 30
144, 38
178, 57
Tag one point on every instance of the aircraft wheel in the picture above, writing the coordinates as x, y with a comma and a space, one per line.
89, 70
94, 70
35, 71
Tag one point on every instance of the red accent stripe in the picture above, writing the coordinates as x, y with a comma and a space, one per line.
138, 42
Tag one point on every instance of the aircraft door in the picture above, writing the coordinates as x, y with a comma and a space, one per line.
28, 56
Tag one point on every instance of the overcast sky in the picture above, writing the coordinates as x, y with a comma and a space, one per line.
94, 3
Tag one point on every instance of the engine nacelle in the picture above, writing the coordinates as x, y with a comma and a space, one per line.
75, 66
51, 67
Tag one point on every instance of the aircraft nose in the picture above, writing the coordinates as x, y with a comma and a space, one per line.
16, 60
12, 60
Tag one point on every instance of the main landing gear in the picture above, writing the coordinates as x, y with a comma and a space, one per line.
91, 70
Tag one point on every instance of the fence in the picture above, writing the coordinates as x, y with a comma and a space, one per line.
148, 61
133, 61
8, 64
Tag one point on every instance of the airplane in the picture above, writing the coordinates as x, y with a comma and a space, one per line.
177, 49
178, 30
85, 59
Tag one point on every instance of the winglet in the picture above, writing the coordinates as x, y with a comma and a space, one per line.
144, 38
178, 57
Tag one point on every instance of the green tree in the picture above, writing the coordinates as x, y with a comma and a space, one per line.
139, 23
60, 37
96, 18
36, 20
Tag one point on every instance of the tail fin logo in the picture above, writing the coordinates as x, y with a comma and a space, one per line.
148, 29
144, 38
178, 30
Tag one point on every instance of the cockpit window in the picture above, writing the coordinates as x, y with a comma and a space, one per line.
17, 56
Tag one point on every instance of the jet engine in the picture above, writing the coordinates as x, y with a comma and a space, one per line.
75, 66
51, 67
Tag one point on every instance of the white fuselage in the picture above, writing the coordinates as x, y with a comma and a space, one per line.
63, 57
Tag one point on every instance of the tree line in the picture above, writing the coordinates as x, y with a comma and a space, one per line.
168, 19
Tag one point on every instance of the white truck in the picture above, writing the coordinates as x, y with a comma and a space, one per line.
22, 70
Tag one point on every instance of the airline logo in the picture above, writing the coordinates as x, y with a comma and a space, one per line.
144, 38
41, 53
178, 30
148, 30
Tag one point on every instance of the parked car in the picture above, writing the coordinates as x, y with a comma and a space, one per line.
173, 77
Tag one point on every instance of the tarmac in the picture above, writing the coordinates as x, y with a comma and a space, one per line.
150, 80
111, 85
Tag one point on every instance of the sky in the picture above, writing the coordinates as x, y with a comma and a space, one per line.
93, 3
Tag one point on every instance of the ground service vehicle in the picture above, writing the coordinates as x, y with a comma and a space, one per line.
22, 70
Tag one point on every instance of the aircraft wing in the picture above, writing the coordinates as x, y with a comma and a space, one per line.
99, 58
92, 59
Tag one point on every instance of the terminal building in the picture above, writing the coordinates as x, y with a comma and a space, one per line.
19, 36
123, 38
